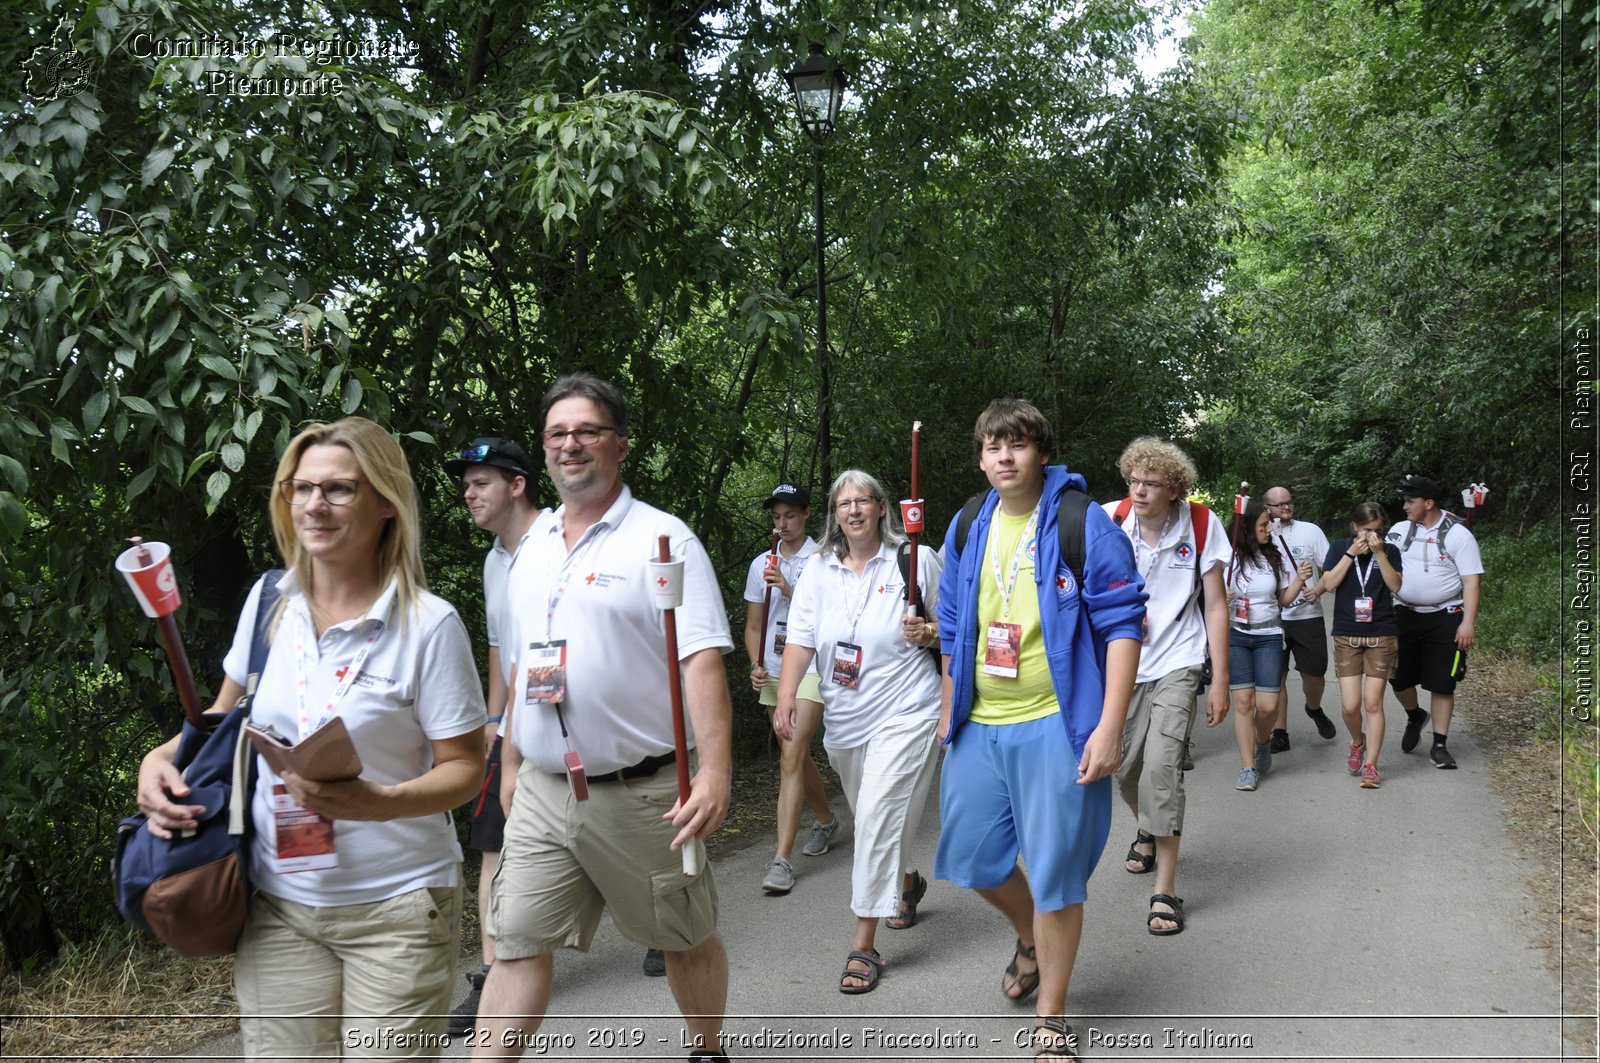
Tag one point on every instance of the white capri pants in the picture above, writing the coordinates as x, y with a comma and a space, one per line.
887, 781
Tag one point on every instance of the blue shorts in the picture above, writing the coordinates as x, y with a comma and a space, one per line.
1255, 661
1010, 788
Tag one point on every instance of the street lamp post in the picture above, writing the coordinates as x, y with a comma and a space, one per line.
818, 87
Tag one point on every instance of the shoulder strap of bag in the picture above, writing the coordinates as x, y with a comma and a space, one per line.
1070, 530
260, 649
1069, 527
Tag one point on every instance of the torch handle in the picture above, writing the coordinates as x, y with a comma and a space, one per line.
680, 736
182, 674
766, 611
916, 462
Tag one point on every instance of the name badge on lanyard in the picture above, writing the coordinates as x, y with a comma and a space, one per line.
547, 672
304, 839
1241, 608
1363, 604
781, 639
1003, 649
846, 665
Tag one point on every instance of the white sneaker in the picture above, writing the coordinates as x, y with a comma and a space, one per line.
822, 835
780, 876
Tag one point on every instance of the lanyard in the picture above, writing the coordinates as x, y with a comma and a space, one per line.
552, 596
1007, 587
1361, 576
854, 611
304, 666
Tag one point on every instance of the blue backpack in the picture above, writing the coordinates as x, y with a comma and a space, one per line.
192, 890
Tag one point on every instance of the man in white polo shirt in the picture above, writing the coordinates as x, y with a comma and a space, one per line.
496, 478
595, 821
772, 584
1305, 635
1436, 611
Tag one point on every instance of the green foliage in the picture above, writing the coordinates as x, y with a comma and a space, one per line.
1521, 609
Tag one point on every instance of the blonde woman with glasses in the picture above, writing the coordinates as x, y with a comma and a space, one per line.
353, 923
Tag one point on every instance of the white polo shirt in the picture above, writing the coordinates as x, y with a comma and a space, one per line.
497, 566
1430, 576
418, 684
1256, 580
896, 679
755, 590
1176, 624
618, 706
1307, 543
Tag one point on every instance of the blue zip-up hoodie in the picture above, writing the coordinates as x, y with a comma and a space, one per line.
1076, 625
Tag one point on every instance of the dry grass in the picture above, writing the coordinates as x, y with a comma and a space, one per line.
121, 995
1550, 816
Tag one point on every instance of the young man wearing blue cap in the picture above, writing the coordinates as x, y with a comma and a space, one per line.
496, 478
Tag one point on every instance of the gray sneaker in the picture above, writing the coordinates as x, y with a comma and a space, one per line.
1247, 780
822, 835
1263, 757
780, 876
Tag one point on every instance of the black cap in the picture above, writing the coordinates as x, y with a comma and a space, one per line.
790, 494
1414, 486
492, 450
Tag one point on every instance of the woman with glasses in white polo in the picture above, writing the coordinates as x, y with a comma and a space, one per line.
880, 701
350, 944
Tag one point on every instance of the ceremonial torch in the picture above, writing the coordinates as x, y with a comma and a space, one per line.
766, 603
1240, 501
148, 569
666, 585
911, 514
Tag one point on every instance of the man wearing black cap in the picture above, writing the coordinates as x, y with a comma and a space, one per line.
1436, 610
799, 781
496, 478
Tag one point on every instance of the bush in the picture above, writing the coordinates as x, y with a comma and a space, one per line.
1521, 610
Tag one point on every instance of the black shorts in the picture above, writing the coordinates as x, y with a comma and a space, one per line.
488, 818
1308, 640
1428, 654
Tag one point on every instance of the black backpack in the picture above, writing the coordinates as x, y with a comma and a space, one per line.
1074, 511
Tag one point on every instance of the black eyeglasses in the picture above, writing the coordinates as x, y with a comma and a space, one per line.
587, 436
334, 492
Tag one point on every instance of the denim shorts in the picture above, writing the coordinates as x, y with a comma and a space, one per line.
1255, 661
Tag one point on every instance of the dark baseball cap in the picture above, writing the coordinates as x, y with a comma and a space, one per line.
492, 450
1414, 486
789, 494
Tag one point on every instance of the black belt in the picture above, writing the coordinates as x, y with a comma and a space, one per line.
642, 770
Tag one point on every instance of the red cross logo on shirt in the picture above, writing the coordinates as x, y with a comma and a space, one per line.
1061, 583
589, 578
880, 588
338, 677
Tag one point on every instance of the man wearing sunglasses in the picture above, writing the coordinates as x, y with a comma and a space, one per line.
496, 478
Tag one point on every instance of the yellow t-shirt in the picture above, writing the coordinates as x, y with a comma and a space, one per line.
1031, 694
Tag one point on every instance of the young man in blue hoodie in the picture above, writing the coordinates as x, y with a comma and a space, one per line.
1039, 666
